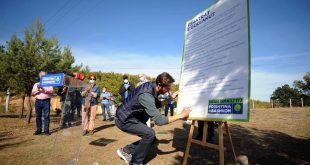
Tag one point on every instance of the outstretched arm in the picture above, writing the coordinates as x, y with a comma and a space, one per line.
184, 114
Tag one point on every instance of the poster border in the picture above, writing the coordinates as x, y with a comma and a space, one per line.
249, 66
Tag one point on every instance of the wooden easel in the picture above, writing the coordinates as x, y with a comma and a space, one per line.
219, 147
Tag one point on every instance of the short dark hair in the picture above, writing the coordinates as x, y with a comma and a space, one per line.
164, 79
125, 77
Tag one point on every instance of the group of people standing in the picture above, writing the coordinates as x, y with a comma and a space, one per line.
138, 105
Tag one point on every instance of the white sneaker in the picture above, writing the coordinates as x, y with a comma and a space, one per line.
123, 155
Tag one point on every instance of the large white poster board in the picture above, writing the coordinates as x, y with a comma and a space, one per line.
215, 77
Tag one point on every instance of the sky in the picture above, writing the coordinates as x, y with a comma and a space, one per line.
147, 36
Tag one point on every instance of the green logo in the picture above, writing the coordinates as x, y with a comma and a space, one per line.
57, 79
237, 107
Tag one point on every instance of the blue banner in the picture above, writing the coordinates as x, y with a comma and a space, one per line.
53, 80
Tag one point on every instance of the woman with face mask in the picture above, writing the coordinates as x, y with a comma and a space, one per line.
90, 95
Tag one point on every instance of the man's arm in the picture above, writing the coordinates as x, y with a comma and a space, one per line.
184, 114
148, 102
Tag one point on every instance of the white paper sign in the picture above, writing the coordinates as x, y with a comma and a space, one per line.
215, 78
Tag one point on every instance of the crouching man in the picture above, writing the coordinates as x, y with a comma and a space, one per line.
132, 114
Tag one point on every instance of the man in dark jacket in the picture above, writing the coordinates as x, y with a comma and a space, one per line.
125, 89
140, 105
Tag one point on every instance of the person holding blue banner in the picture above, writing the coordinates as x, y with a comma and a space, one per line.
42, 104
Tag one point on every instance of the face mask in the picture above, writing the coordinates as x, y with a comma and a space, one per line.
103, 90
125, 81
141, 79
92, 81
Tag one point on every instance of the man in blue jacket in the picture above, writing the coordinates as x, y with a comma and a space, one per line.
140, 105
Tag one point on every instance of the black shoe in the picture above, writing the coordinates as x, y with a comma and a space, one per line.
47, 133
104, 120
37, 132
111, 119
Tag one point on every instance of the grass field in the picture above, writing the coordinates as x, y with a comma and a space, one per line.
273, 136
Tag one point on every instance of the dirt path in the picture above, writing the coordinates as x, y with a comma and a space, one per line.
277, 136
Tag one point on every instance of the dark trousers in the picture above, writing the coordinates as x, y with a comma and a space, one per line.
210, 128
42, 106
167, 107
66, 112
140, 148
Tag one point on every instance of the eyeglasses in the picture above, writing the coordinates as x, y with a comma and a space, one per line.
167, 87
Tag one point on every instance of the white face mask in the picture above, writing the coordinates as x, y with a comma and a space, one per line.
126, 81
141, 79
92, 81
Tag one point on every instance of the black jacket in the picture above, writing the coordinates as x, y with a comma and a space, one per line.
122, 90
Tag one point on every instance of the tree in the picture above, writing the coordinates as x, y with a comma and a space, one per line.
24, 59
3, 66
285, 93
303, 86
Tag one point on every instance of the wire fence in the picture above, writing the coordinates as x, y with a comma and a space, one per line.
277, 103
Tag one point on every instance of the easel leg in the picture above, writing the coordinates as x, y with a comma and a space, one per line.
189, 140
204, 134
221, 143
230, 140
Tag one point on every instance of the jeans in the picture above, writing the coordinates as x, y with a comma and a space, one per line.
167, 107
42, 106
105, 107
140, 148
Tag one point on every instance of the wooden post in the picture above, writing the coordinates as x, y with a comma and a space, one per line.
302, 102
253, 104
7, 102
290, 103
